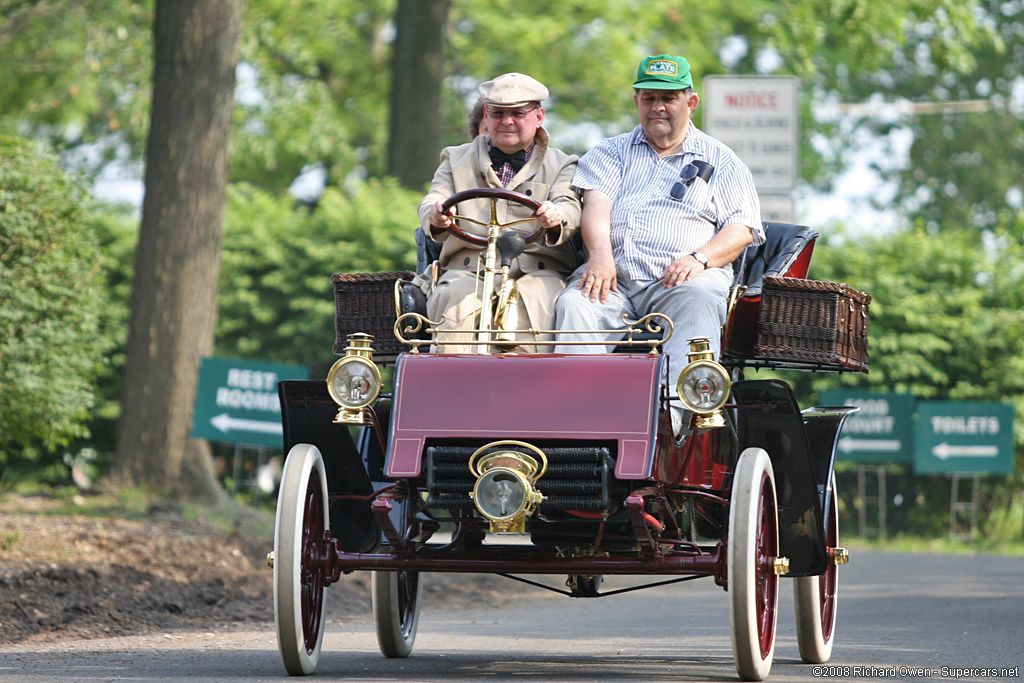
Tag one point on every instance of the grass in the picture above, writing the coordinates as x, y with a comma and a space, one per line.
903, 543
139, 505
9, 541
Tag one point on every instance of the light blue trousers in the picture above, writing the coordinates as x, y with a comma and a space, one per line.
696, 307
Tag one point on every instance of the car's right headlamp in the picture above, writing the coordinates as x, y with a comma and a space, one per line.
354, 380
703, 385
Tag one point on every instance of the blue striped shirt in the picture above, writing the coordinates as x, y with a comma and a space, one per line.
650, 229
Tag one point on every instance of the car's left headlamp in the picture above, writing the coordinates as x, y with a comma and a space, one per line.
703, 386
354, 380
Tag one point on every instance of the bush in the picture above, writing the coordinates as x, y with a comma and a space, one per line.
50, 302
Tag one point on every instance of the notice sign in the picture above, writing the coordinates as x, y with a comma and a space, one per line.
758, 118
964, 436
237, 401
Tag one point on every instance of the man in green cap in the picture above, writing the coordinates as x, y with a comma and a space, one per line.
666, 210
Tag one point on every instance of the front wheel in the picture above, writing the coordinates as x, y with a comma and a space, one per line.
396, 610
299, 535
753, 546
815, 598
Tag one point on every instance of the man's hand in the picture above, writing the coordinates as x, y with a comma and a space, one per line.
598, 279
679, 271
549, 215
440, 220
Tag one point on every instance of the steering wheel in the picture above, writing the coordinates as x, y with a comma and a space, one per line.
494, 194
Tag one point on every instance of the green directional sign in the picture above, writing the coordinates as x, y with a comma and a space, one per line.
236, 401
964, 436
881, 432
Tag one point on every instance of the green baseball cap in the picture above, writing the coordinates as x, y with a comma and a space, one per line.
663, 72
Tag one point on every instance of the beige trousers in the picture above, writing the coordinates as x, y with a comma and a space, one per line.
456, 299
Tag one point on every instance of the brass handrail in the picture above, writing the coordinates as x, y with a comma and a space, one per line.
412, 323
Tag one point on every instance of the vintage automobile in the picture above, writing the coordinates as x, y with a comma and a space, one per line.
476, 462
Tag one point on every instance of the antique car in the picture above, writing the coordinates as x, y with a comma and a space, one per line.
475, 462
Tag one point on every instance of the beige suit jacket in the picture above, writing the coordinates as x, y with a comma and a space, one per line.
546, 176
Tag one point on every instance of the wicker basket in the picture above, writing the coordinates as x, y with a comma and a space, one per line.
365, 302
820, 323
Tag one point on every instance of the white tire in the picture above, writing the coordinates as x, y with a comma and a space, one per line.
752, 547
299, 590
816, 599
396, 611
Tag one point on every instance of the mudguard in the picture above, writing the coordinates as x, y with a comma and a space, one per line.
307, 415
802, 450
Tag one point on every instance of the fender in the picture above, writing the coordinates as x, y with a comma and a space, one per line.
802, 449
307, 415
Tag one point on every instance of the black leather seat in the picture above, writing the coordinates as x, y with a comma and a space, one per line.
783, 246
413, 300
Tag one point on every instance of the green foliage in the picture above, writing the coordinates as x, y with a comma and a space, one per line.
50, 305
319, 93
276, 300
947, 320
77, 72
966, 167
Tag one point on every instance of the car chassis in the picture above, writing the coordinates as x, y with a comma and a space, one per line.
519, 464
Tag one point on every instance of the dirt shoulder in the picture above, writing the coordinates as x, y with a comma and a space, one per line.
71, 576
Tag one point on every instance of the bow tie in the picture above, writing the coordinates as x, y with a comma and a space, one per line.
499, 159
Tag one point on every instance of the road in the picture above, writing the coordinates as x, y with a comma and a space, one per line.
917, 613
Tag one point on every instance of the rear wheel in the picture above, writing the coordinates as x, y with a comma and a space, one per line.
752, 548
815, 598
396, 610
300, 531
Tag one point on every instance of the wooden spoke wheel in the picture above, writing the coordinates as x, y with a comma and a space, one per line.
299, 535
753, 546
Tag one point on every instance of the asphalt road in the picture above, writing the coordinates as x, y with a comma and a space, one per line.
900, 616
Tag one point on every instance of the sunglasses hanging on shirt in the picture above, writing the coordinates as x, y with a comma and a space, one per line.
694, 169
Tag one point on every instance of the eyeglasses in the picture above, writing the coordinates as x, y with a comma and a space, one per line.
519, 114
692, 170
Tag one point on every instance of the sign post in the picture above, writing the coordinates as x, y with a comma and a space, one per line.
237, 402
758, 117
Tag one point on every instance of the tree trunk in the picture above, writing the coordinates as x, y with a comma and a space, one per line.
414, 135
177, 261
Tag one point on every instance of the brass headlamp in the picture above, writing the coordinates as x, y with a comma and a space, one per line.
703, 386
505, 491
354, 380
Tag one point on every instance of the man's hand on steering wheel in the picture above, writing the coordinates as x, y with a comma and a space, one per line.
437, 218
549, 215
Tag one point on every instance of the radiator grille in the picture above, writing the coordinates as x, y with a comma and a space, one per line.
577, 478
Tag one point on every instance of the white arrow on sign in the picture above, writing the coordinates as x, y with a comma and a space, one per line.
846, 444
944, 451
225, 423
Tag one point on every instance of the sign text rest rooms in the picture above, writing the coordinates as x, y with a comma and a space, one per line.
237, 400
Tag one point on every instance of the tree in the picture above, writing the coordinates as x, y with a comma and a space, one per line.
416, 75
50, 301
177, 259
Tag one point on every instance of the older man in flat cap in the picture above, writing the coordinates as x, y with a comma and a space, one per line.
514, 155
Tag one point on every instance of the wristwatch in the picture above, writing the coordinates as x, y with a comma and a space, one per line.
701, 259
